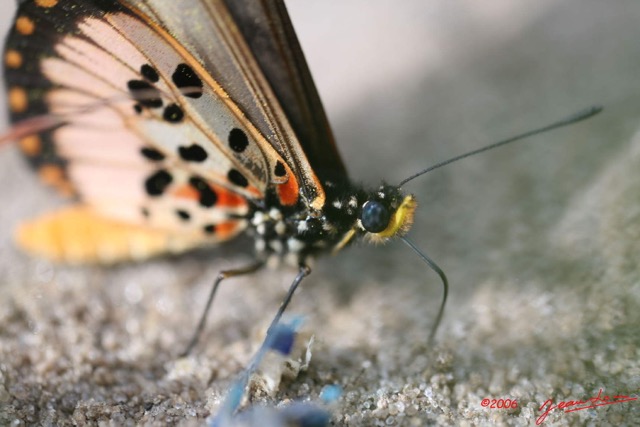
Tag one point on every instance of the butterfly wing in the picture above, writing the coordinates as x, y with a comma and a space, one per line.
268, 31
230, 58
147, 130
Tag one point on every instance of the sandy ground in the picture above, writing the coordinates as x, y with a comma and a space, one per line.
540, 241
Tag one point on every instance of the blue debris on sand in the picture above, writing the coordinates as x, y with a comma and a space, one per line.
281, 338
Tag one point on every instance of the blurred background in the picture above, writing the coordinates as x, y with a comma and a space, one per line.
540, 239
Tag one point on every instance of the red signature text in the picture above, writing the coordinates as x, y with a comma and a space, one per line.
578, 405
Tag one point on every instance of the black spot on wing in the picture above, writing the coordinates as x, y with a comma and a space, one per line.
183, 215
192, 153
173, 113
157, 183
185, 78
149, 73
145, 93
238, 140
209, 229
152, 154
237, 178
208, 197
279, 170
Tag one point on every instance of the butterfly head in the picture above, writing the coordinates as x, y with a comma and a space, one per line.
387, 213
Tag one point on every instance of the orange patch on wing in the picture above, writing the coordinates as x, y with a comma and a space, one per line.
46, 3
77, 234
25, 25
186, 192
31, 145
227, 198
18, 100
65, 189
226, 229
51, 175
13, 59
288, 192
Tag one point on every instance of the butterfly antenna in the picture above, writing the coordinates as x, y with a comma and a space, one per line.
574, 118
445, 285
31, 126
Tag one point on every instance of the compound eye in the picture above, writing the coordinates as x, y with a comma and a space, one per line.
375, 216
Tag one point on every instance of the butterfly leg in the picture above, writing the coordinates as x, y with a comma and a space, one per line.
303, 272
221, 276
236, 391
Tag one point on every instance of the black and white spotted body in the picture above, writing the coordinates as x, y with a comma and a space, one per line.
295, 236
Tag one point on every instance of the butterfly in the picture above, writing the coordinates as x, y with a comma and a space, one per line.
178, 125
181, 125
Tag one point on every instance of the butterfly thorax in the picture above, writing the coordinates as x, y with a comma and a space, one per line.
296, 234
